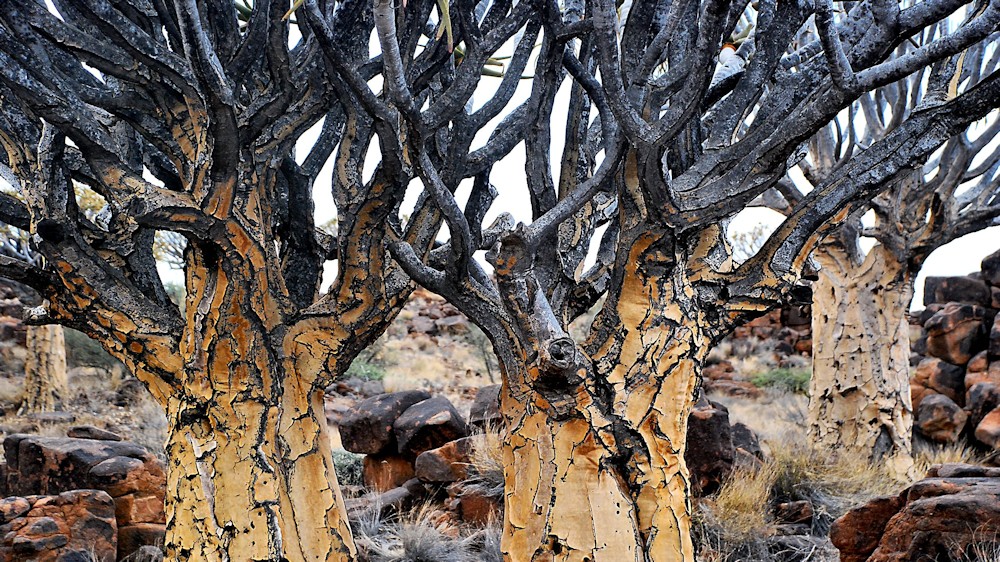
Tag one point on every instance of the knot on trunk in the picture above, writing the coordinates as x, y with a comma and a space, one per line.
560, 376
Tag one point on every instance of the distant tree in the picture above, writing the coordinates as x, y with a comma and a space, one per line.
860, 389
45, 383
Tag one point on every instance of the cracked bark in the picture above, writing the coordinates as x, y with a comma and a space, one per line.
860, 388
45, 385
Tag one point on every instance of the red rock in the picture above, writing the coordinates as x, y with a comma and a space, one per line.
134, 537
917, 393
957, 332
940, 419
478, 509
732, 388
449, 462
980, 363
942, 377
994, 348
710, 453
70, 526
427, 425
988, 430
91, 432
385, 472
794, 512
956, 289
485, 410
368, 427
858, 532
980, 400
995, 297
941, 519
131, 509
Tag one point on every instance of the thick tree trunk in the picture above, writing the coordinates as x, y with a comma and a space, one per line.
595, 465
250, 474
860, 389
45, 369
251, 478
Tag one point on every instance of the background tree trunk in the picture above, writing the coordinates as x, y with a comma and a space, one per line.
45, 385
860, 388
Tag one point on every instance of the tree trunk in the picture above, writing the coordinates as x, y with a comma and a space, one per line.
45, 370
860, 388
596, 434
250, 473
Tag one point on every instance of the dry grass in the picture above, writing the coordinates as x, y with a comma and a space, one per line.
927, 454
486, 473
424, 534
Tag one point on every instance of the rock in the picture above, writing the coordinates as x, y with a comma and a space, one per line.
956, 289
72, 526
940, 419
372, 388
423, 325
957, 332
91, 432
980, 363
988, 430
962, 470
981, 399
745, 439
51, 417
994, 346
941, 519
710, 453
144, 538
485, 409
478, 509
386, 471
732, 388
427, 425
50, 465
942, 377
917, 393
858, 532
991, 269
926, 314
367, 428
794, 512
455, 325
449, 462
995, 297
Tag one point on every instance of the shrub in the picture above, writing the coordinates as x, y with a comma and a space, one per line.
790, 380
348, 467
365, 370
81, 351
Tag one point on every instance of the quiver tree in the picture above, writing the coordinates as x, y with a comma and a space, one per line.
184, 118
662, 146
860, 389
45, 385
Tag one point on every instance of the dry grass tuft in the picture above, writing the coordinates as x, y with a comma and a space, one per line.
486, 470
926, 455
425, 534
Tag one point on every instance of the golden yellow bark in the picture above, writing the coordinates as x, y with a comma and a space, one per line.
860, 390
45, 385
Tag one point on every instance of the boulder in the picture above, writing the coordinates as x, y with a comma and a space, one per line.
449, 462
956, 289
927, 313
77, 525
91, 432
732, 388
144, 538
942, 377
858, 532
940, 419
991, 268
988, 429
918, 392
367, 427
941, 519
981, 399
427, 425
386, 471
957, 332
995, 297
39, 465
485, 409
710, 453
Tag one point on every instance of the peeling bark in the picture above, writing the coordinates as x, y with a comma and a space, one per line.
45, 384
860, 388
